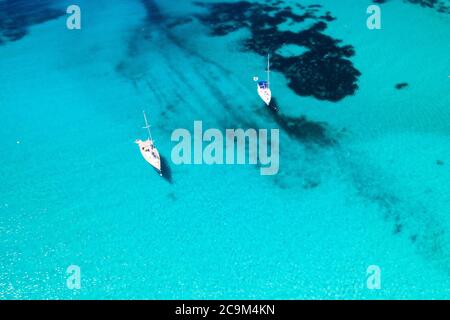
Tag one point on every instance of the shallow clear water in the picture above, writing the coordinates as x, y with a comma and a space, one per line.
363, 181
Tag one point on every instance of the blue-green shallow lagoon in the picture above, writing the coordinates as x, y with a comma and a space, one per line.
364, 180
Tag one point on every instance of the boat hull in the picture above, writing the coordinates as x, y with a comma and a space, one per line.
265, 94
150, 154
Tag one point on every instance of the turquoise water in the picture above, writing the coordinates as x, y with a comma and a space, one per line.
364, 180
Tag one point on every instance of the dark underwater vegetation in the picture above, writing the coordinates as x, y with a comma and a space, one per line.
401, 85
304, 130
16, 16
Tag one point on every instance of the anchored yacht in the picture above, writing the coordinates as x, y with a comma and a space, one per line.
148, 149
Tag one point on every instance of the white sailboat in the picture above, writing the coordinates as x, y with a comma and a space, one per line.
264, 86
148, 149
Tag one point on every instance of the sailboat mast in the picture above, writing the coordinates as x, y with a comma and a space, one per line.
147, 126
268, 70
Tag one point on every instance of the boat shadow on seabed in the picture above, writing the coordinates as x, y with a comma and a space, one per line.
273, 105
165, 170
